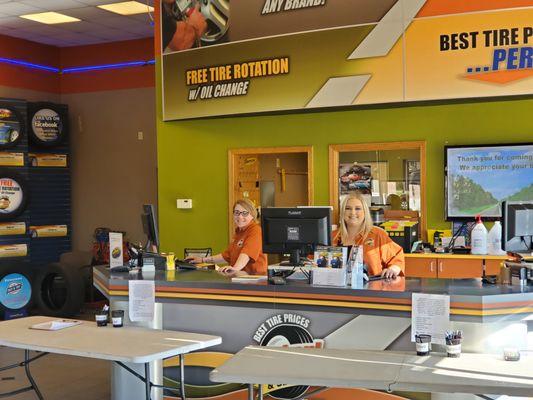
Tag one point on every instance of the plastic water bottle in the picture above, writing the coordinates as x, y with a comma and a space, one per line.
357, 278
479, 237
495, 240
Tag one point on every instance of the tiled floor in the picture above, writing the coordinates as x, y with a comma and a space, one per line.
58, 377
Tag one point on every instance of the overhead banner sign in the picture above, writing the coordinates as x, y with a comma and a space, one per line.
248, 56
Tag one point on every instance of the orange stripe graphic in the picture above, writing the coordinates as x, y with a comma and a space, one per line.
501, 77
443, 7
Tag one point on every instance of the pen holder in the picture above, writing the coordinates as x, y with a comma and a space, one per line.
423, 344
117, 316
101, 318
453, 347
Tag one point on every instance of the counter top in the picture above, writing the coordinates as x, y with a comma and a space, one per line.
456, 256
469, 297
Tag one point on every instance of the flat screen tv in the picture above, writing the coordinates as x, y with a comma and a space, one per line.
479, 178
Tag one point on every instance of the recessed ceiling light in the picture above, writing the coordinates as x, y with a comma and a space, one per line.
50, 18
127, 8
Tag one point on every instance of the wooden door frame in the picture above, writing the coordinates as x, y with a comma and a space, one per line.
232, 164
335, 149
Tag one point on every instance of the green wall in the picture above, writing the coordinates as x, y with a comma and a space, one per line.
192, 155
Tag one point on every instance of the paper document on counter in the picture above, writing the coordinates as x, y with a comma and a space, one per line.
56, 324
430, 315
141, 300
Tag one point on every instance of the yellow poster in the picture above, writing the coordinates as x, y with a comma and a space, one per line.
12, 228
13, 250
11, 159
269, 56
48, 230
47, 160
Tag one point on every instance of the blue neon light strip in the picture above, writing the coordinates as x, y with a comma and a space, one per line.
76, 69
108, 66
29, 65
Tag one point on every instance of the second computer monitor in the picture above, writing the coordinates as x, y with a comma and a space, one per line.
295, 230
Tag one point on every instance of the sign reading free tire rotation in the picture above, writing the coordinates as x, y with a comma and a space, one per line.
13, 195
48, 125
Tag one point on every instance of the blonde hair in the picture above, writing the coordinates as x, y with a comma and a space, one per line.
248, 206
367, 223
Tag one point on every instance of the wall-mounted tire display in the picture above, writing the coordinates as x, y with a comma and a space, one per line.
11, 127
47, 124
14, 194
58, 290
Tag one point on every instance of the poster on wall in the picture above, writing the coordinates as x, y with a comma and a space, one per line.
13, 195
250, 56
355, 177
47, 124
10, 127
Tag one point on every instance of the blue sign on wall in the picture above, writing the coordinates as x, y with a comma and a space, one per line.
15, 291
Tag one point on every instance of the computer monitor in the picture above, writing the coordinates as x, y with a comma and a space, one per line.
517, 226
150, 229
295, 230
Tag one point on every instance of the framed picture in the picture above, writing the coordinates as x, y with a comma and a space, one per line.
355, 177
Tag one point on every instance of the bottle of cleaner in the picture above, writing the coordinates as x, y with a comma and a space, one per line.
479, 237
494, 246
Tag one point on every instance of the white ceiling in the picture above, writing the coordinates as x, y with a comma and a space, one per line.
96, 25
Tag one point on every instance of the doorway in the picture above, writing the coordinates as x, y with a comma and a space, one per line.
271, 177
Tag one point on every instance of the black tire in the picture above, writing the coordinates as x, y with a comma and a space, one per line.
52, 139
21, 182
58, 290
16, 267
15, 117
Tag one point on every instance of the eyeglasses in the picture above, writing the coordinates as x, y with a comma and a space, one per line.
245, 213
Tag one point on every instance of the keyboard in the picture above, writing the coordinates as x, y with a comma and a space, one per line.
123, 268
182, 264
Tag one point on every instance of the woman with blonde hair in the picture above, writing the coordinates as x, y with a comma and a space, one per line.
381, 255
245, 252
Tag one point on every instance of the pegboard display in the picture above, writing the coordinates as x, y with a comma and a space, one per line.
35, 194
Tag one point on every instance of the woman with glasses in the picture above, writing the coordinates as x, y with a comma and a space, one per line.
381, 255
245, 252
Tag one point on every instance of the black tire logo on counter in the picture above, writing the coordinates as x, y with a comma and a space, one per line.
47, 127
13, 195
10, 128
287, 335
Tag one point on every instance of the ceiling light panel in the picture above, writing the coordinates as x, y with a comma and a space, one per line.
50, 18
127, 8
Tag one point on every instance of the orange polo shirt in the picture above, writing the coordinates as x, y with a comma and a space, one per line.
379, 251
248, 241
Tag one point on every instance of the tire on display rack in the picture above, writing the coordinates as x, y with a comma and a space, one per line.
47, 125
11, 127
14, 194
58, 290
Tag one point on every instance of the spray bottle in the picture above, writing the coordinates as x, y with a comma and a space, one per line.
479, 237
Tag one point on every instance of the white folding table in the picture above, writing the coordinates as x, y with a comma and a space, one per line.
121, 345
381, 370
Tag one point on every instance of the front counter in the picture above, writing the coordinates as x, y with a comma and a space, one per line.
375, 317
